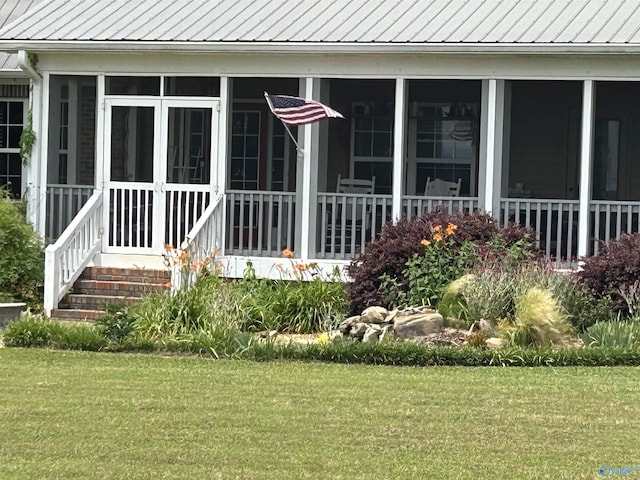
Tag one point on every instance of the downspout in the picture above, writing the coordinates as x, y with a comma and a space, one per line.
25, 65
35, 193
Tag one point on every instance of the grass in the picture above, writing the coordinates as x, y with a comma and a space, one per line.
82, 415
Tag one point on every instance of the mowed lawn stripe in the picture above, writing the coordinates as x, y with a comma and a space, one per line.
86, 415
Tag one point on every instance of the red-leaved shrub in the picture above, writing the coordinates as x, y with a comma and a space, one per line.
398, 243
616, 266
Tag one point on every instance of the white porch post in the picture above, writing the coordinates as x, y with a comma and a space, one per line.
99, 173
40, 125
399, 128
309, 186
586, 162
36, 192
222, 159
491, 146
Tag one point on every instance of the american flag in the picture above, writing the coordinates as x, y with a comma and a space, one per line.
299, 111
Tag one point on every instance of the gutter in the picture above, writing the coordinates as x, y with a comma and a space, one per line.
25, 65
316, 47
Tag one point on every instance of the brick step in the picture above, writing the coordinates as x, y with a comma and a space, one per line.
94, 302
111, 274
76, 314
119, 288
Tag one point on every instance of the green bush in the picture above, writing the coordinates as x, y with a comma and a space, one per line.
117, 324
617, 333
22, 257
34, 331
384, 263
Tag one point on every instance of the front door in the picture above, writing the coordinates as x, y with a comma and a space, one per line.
158, 175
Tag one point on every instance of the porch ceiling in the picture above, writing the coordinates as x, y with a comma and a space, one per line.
293, 25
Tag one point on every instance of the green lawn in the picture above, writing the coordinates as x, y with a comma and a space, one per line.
69, 415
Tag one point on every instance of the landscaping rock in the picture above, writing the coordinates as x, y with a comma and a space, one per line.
494, 342
371, 335
374, 315
392, 315
486, 326
359, 330
448, 336
346, 326
418, 325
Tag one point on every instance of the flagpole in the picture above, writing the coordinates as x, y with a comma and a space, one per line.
286, 127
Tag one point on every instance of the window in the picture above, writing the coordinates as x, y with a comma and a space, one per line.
443, 144
245, 150
279, 157
12, 116
372, 143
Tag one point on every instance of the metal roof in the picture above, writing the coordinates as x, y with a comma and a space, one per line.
11, 10
367, 22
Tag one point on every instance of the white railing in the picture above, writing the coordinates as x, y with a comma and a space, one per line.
610, 219
259, 223
75, 248
203, 242
347, 221
184, 208
554, 221
413, 205
63, 204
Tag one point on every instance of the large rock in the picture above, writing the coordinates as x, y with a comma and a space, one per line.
494, 342
346, 326
374, 315
359, 330
371, 335
418, 325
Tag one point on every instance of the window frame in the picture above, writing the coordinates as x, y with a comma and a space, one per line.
16, 150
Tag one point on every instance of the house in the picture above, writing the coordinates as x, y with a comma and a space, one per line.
152, 115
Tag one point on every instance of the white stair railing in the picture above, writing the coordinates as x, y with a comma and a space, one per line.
204, 241
75, 248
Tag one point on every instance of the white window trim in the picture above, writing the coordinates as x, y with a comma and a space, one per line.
23, 168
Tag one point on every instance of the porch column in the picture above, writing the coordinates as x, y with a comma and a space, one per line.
40, 127
491, 146
226, 94
586, 165
308, 187
35, 191
399, 128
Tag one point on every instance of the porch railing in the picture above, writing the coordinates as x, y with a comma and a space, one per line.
413, 206
63, 204
203, 241
347, 221
554, 221
71, 253
260, 223
610, 219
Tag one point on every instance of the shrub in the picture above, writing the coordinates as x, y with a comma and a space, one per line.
616, 266
493, 290
386, 258
618, 333
34, 331
22, 258
117, 324
304, 300
538, 320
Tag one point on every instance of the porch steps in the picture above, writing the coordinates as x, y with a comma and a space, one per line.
98, 286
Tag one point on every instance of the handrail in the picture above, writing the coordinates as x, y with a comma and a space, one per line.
66, 259
202, 241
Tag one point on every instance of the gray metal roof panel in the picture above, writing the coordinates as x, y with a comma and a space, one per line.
334, 21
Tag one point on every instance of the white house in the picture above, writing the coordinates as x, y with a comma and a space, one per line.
152, 115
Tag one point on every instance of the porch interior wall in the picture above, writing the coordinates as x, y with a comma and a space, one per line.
543, 141
343, 93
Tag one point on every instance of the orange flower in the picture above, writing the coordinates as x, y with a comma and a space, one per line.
436, 228
287, 253
301, 267
451, 228
183, 255
168, 285
278, 266
194, 267
438, 237
215, 251
425, 242
168, 247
